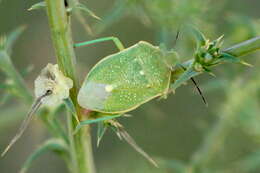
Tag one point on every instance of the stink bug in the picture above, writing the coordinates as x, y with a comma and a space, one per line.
123, 81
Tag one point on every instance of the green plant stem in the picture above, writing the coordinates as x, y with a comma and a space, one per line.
80, 143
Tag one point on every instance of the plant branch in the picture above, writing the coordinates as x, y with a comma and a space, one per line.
59, 21
238, 50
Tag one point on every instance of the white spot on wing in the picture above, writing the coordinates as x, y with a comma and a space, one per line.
141, 72
109, 88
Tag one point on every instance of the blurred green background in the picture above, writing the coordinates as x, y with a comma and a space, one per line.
224, 137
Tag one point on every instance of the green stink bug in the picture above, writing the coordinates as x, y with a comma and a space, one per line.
123, 81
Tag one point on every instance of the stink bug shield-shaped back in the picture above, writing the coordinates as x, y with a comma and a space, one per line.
123, 81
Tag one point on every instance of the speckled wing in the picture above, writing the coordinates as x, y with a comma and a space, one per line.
123, 81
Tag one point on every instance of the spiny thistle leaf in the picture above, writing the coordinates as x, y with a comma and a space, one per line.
199, 36
87, 122
54, 145
14, 77
38, 6
83, 8
230, 58
102, 128
122, 134
12, 37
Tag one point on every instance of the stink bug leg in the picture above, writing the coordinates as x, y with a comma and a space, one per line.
117, 42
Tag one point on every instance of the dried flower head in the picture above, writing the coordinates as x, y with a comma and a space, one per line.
53, 81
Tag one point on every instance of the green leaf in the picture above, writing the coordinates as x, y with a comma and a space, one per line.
18, 86
230, 58
101, 131
200, 38
189, 73
87, 122
12, 37
6, 65
54, 145
70, 106
85, 9
37, 6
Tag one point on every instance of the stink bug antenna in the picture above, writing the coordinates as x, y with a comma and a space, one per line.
192, 79
197, 87
199, 90
176, 37
26, 121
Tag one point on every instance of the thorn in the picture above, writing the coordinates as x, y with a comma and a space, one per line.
127, 115
212, 74
246, 64
132, 142
98, 142
120, 131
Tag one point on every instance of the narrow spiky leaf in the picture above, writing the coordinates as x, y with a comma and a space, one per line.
200, 38
37, 6
85, 9
230, 58
102, 128
12, 37
122, 133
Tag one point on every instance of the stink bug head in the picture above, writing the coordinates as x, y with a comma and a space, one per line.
171, 58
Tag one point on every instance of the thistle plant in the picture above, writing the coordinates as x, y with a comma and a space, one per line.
119, 83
